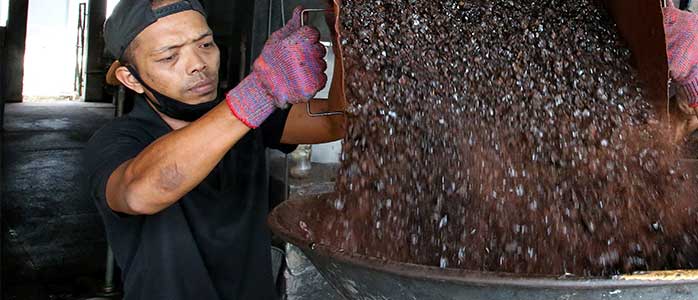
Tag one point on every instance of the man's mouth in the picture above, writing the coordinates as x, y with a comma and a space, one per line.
204, 87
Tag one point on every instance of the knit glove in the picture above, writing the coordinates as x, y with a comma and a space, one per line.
681, 29
290, 70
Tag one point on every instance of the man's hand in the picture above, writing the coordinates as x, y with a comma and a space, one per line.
684, 128
290, 70
682, 102
682, 41
684, 119
293, 69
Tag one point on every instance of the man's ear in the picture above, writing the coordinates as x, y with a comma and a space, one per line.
128, 80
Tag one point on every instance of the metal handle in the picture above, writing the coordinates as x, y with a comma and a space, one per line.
309, 10
307, 105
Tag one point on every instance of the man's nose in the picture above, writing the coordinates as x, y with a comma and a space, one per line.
196, 63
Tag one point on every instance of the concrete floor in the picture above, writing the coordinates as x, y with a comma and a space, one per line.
53, 242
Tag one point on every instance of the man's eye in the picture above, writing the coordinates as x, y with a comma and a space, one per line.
167, 59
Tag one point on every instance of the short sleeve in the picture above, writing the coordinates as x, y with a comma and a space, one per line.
273, 129
108, 149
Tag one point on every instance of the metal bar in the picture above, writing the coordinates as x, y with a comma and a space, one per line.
109, 274
78, 82
283, 13
271, 9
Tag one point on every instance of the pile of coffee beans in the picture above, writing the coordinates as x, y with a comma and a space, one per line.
504, 136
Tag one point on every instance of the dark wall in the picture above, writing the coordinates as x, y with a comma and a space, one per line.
229, 21
274, 13
13, 58
97, 64
241, 28
2, 91
2, 119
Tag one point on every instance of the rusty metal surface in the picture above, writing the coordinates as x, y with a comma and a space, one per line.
641, 24
359, 277
338, 91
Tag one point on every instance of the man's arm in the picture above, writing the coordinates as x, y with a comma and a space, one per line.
173, 165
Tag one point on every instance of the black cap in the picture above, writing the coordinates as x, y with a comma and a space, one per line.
131, 17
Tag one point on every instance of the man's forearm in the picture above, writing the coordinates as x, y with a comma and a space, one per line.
175, 164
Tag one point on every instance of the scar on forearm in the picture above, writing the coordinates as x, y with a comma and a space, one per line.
170, 178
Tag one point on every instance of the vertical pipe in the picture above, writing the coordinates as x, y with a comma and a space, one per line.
109, 274
271, 9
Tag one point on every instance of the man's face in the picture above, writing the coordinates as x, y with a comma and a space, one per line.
177, 57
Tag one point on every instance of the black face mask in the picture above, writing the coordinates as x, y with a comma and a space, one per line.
173, 108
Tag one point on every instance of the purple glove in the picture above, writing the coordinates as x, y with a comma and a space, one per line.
681, 29
291, 69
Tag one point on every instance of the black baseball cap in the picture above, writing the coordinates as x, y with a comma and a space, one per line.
129, 18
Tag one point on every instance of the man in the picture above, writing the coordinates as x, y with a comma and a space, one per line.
681, 30
181, 181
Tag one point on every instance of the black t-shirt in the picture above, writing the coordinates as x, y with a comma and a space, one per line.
214, 242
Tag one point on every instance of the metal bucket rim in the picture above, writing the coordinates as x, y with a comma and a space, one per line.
430, 273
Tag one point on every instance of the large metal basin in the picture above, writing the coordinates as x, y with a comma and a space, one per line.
359, 277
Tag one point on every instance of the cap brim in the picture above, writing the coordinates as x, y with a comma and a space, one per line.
111, 74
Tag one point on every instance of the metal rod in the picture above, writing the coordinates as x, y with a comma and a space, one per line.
271, 9
283, 13
287, 188
120, 100
322, 114
109, 274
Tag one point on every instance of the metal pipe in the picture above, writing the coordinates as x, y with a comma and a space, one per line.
271, 9
283, 13
109, 274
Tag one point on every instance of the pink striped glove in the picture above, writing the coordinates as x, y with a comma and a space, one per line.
290, 70
681, 29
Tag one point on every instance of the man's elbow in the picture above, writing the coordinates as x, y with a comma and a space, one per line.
139, 208
138, 204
